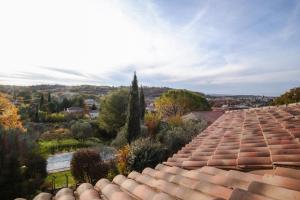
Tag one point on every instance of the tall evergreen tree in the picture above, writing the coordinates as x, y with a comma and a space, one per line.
142, 104
49, 97
41, 100
133, 124
36, 114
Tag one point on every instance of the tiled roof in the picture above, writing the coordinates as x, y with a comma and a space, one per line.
252, 138
261, 145
206, 183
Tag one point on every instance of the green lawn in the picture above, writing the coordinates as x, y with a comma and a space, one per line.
60, 179
48, 147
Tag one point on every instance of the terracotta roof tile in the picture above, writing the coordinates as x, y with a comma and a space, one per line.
251, 138
285, 182
272, 191
240, 194
43, 196
235, 158
111, 191
89, 194
65, 194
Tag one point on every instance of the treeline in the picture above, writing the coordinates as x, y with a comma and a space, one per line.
291, 96
87, 90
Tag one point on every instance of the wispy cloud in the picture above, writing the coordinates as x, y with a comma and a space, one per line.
206, 45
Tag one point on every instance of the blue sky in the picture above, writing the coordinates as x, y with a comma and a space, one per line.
213, 46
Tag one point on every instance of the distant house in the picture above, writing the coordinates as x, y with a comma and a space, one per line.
91, 102
150, 107
74, 110
94, 114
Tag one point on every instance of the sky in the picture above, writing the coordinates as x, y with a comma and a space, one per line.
211, 46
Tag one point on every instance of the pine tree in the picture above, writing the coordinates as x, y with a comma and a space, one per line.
142, 104
133, 124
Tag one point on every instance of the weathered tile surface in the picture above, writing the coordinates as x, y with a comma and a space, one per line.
245, 155
246, 139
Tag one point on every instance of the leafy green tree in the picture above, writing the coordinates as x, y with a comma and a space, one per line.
77, 101
142, 103
87, 166
22, 170
180, 102
53, 106
24, 111
81, 130
10, 173
113, 110
291, 96
133, 123
65, 104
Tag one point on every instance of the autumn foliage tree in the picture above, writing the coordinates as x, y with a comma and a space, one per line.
9, 117
122, 160
180, 102
152, 121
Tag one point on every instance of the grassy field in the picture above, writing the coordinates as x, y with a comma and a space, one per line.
60, 179
48, 147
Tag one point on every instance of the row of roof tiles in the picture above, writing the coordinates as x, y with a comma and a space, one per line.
207, 183
245, 140
254, 138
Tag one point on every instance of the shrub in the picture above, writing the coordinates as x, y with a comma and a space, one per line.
87, 166
56, 117
145, 152
57, 134
81, 130
99, 132
121, 140
152, 121
122, 160
113, 170
175, 137
175, 120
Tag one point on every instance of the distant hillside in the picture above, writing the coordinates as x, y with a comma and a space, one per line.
291, 96
87, 90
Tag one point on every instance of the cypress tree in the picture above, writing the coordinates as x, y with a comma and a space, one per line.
49, 97
36, 115
133, 124
42, 100
142, 104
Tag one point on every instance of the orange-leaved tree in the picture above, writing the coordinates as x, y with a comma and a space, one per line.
152, 121
122, 160
9, 117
